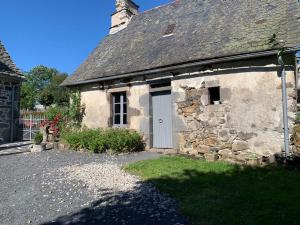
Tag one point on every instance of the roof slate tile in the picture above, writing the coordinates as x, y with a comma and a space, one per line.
7, 66
204, 30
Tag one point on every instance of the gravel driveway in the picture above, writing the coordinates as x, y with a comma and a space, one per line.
66, 187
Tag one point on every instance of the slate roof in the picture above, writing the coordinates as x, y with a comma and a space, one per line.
204, 29
7, 66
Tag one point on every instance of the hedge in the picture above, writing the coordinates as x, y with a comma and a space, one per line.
102, 140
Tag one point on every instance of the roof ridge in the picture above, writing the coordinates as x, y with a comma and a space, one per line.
158, 7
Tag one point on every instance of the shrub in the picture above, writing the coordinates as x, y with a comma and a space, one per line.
99, 141
56, 118
298, 118
76, 111
59, 118
123, 140
92, 140
52, 112
98, 144
38, 139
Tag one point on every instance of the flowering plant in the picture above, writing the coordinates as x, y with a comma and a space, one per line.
54, 125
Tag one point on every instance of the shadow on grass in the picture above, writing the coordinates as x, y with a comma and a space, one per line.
230, 195
238, 196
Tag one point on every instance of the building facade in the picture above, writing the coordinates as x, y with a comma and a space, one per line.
10, 81
192, 77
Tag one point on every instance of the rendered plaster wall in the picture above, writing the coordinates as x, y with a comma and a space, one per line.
138, 110
248, 120
97, 103
97, 107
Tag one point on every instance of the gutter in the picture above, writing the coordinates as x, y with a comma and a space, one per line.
183, 66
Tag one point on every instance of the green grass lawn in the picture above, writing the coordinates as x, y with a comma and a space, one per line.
225, 194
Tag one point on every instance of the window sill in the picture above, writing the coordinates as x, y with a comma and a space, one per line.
120, 126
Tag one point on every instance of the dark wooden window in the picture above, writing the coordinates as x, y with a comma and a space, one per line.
170, 29
119, 107
214, 95
162, 84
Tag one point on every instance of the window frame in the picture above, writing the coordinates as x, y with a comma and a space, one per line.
123, 102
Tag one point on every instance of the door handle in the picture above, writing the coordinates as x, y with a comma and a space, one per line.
160, 121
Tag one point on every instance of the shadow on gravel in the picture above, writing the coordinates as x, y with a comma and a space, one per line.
143, 206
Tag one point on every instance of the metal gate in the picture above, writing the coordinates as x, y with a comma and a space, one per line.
162, 120
30, 123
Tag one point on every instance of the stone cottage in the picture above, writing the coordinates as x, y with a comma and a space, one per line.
196, 76
10, 81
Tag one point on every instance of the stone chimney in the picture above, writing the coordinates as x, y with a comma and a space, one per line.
125, 10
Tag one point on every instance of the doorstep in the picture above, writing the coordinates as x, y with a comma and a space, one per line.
14, 151
20, 144
167, 151
15, 148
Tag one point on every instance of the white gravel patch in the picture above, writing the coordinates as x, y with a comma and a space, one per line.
64, 187
102, 177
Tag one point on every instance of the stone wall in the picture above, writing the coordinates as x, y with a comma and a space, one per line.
9, 119
248, 122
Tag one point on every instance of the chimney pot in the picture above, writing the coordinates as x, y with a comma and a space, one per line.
125, 10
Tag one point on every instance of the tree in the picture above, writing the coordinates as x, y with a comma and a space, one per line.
43, 86
46, 97
28, 99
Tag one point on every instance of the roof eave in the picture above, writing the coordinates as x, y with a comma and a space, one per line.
15, 77
187, 65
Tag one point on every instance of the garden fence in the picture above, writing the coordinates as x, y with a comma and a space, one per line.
30, 123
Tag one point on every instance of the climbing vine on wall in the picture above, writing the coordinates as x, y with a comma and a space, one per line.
76, 109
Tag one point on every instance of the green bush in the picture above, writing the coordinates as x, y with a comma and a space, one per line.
99, 141
76, 111
52, 112
66, 117
298, 118
38, 139
123, 140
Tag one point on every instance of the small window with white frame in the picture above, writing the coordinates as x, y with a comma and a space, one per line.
119, 109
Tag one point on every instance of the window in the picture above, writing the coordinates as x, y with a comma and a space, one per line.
169, 30
119, 108
214, 95
160, 85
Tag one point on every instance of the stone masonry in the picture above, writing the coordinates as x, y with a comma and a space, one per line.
245, 126
10, 82
5, 112
7, 104
207, 131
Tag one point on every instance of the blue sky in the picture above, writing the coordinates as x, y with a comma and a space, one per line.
56, 33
